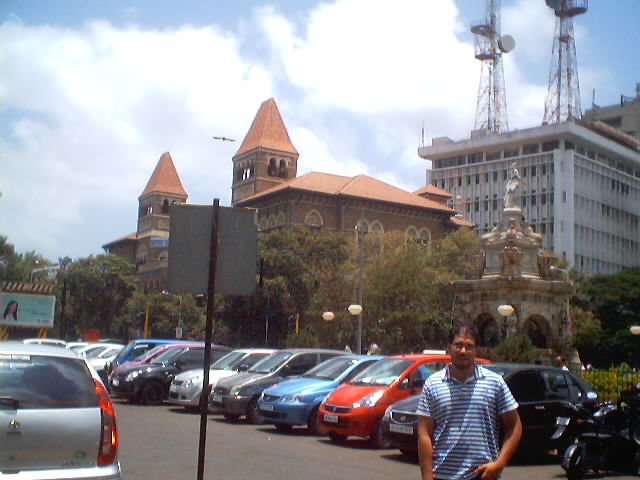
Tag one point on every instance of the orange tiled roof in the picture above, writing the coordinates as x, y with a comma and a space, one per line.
432, 190
132, 237
267, 131
460, 221
361, 186
615, 134
165, 178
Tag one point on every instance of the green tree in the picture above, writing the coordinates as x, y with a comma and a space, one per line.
17, 267
98, 291
516, 348
588, 333
615, 301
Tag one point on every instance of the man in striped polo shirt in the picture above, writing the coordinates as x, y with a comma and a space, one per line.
459, 411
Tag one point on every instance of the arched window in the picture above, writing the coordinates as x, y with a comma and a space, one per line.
141, 255
271, 223
280, 220
424, 236
263, 224
411, 233
313, 220
165, 207
376, 227
282, 171
272, 171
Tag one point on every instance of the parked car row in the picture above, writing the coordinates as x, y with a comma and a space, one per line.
376, 397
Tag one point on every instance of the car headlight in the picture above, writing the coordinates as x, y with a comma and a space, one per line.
130, 376
297, 398
369, 400
193, 381
235, 390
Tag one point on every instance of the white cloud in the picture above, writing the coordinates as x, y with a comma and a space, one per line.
90, 112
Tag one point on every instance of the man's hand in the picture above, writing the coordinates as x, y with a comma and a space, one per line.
489, 471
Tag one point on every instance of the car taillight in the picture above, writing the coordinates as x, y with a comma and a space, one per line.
109, 432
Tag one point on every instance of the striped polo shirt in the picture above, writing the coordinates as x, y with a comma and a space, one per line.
467, 420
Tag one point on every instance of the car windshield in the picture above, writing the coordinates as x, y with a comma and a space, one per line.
149, 354
272, 363
229, 359
497, 369
331, 369
34, 381
167, 357
384, 372
110, 352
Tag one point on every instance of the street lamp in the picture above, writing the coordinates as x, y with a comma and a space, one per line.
634, 329
328, 316
356, 310
506, 311
180, 324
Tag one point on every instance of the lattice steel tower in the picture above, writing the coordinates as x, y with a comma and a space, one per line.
563, 95
491, 108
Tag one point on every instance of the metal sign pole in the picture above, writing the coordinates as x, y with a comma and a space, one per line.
209, 335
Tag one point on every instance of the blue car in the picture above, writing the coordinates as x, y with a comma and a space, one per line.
295, 402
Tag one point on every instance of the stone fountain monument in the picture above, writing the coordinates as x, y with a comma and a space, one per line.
515, 274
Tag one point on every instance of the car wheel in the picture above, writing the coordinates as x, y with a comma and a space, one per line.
253, 414
315, 427
337, 437
573, 463
377, 439
230, 418
152, 393
634, 432
282, 427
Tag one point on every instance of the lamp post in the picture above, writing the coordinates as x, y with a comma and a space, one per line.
180, 324
506, 311
356, 310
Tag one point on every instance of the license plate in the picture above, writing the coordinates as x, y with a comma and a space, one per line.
217, 398
331, 418
115, 382
401, 429
266, 408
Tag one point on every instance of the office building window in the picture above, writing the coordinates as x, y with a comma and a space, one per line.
495, 175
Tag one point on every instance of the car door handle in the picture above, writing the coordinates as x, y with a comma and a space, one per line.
539, 407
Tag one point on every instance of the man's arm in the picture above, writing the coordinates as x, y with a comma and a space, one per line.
512, 435
425, 446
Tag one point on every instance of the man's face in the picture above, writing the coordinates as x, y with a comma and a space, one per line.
462, 351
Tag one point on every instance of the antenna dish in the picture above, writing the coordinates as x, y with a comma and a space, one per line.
506, 43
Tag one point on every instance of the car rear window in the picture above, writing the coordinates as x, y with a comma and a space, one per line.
34, 382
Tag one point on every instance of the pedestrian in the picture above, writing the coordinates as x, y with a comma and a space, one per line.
460, 411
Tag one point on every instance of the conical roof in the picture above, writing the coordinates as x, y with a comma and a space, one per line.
165, 178
267, 131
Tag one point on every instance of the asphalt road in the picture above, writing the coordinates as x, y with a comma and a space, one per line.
162, 443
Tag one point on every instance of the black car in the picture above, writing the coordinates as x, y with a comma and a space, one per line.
149, 383
547, 396
238, 395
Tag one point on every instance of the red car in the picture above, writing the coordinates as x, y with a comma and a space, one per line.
356, 408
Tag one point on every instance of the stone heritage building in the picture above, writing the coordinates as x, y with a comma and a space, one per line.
517, 276
265, 178
580, 187
148, 246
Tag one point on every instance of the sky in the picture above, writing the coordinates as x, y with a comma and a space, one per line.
93, 92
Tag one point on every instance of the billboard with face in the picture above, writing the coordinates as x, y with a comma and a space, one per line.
27, 310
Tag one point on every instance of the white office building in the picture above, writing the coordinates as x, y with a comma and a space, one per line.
580, 187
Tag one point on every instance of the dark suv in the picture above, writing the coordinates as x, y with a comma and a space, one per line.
547, 397
238, 395
149, 383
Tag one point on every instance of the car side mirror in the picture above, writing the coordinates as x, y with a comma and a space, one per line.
243, 368
405, 384
179, 364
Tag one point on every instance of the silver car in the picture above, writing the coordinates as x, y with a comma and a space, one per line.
56, 418
186, 387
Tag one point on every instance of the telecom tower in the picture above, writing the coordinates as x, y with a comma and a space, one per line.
491, 108
563, 95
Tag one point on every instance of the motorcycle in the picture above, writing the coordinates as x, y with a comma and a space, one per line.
608, 440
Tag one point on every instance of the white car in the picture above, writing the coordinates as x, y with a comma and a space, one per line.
186, 388
57, 420
45, 341
94, 349
107, 355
